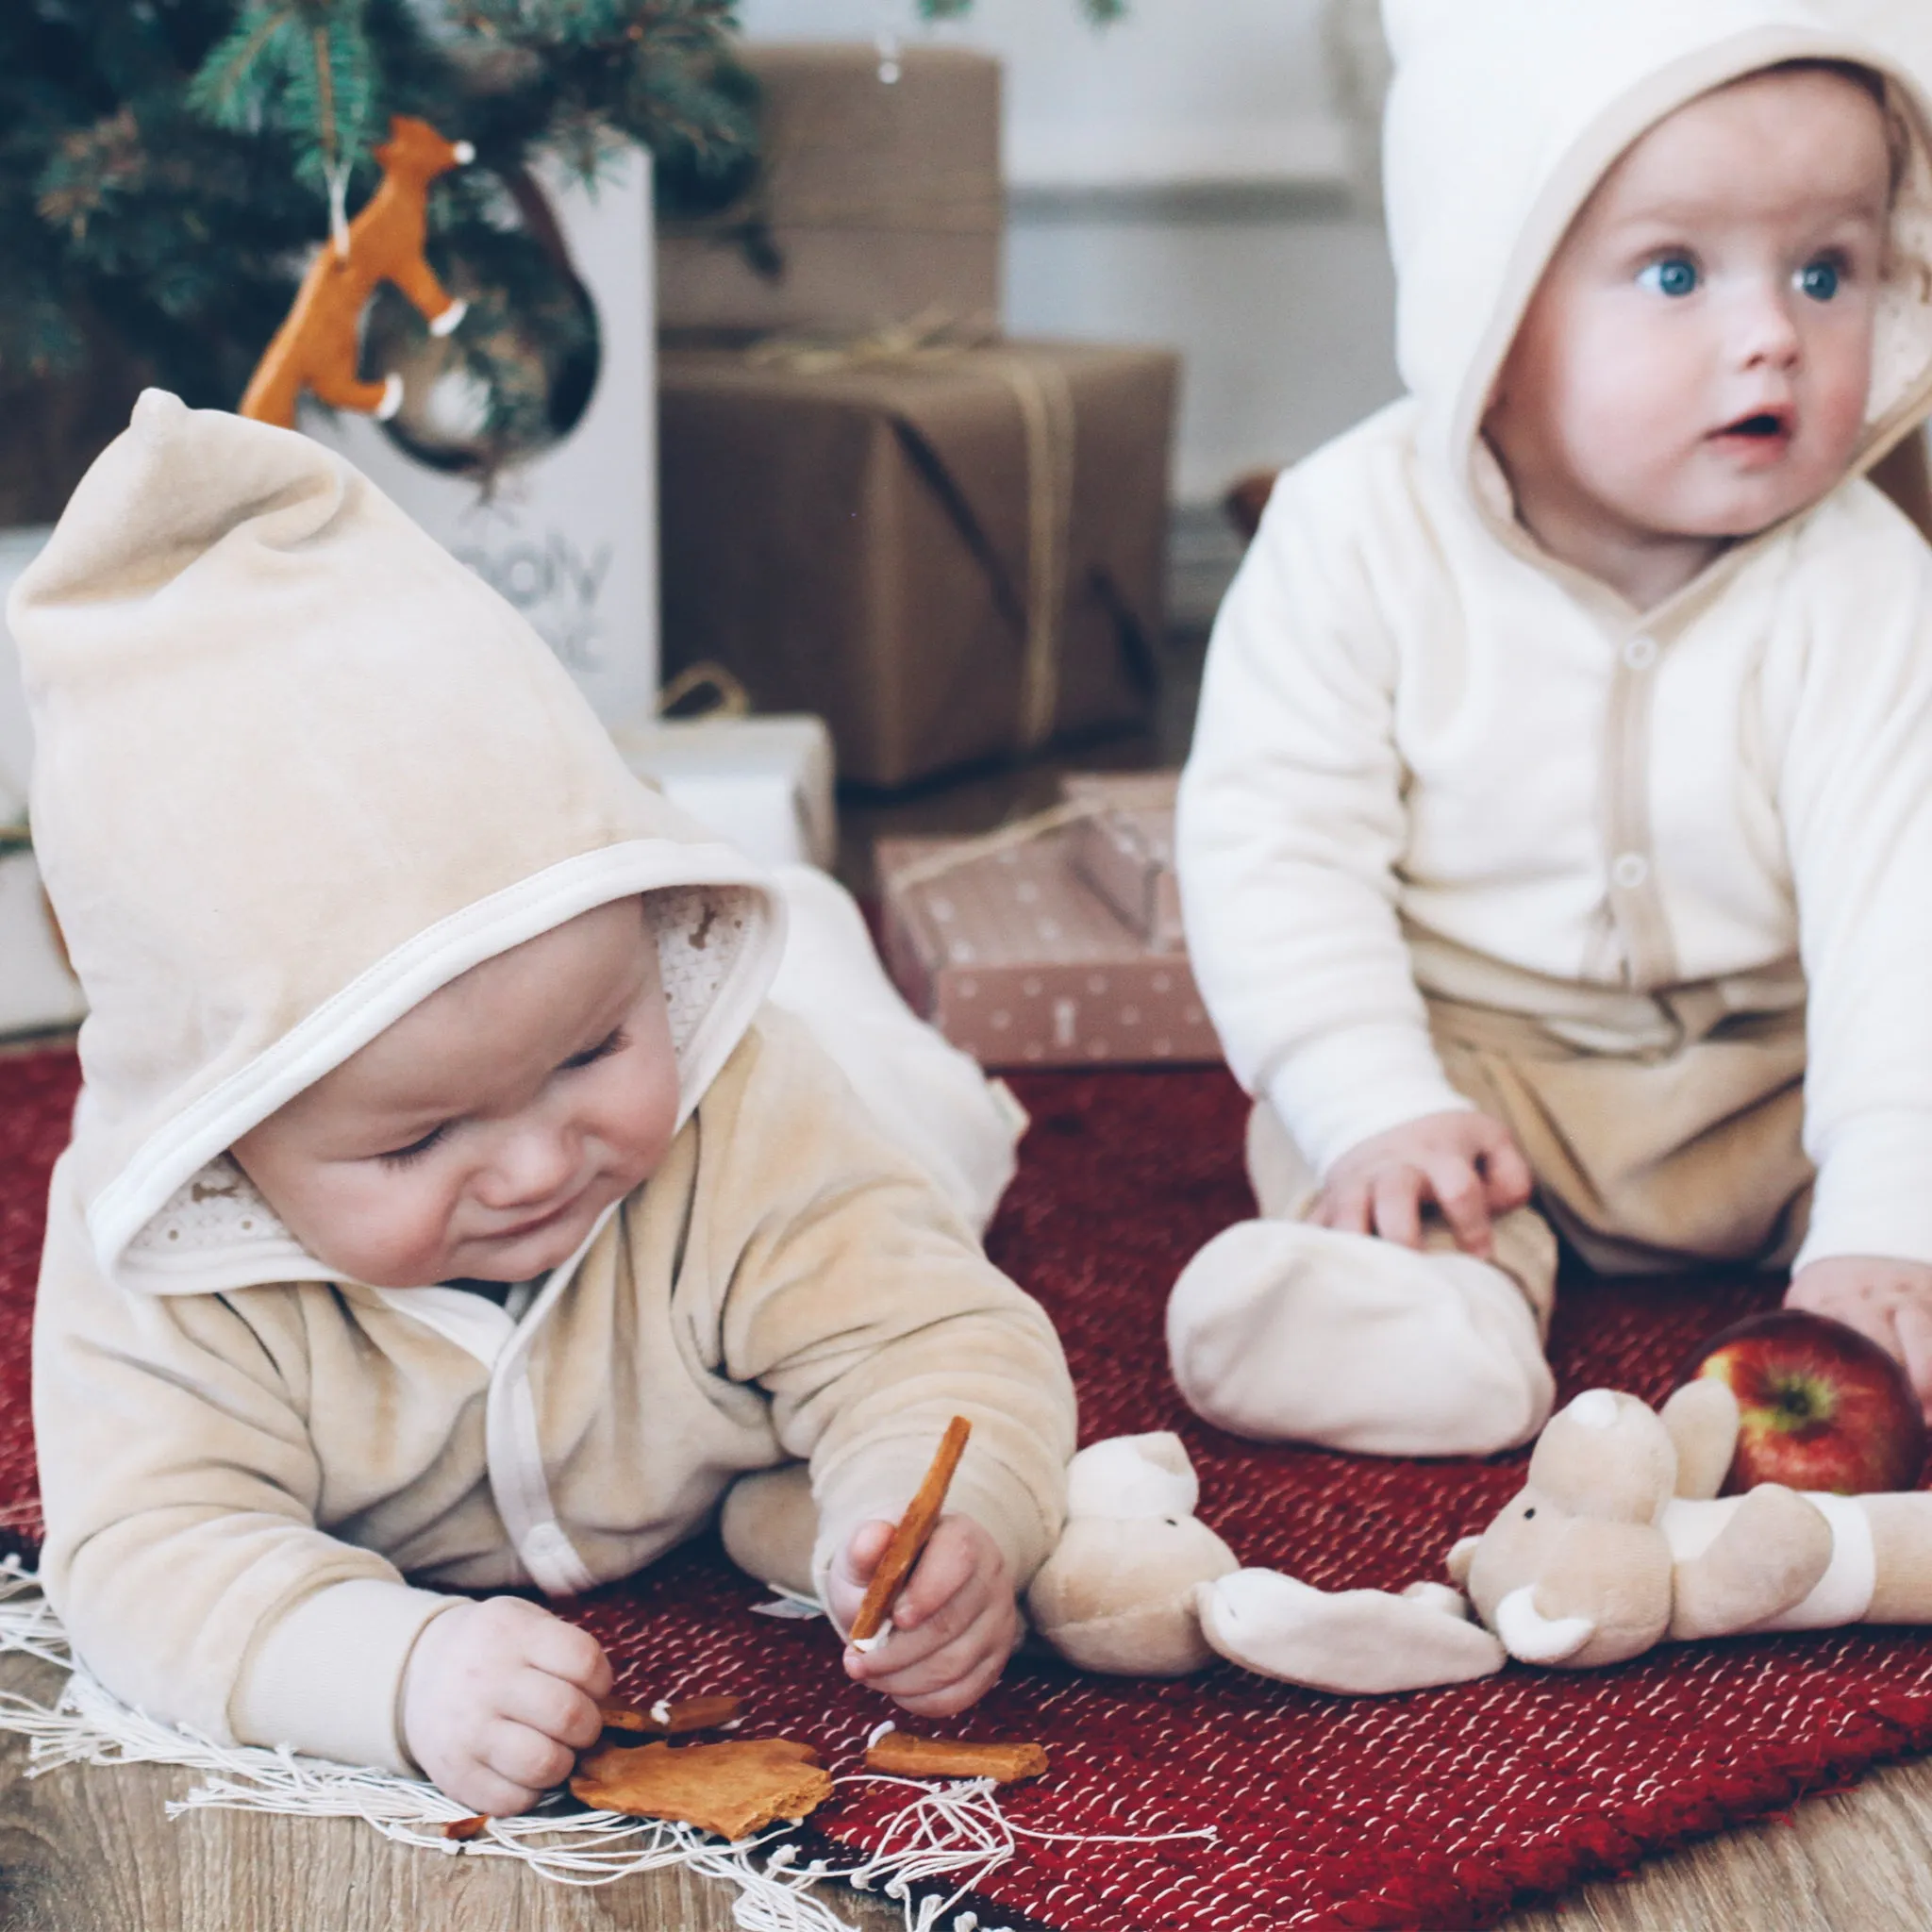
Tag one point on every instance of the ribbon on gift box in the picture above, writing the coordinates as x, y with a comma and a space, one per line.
1006, 837
723, 692
1044, 400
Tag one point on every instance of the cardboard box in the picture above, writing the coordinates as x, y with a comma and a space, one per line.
1018, 961
877, 200
1126, 850
951, 557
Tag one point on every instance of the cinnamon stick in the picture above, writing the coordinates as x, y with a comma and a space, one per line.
915, 1528
674, 1717
905, 1755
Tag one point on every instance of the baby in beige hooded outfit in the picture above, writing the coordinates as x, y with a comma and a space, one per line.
1560, 816
443, 1201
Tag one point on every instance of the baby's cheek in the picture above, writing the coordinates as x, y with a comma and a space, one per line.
404, 1232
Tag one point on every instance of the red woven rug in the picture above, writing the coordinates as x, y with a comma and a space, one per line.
1434, 1809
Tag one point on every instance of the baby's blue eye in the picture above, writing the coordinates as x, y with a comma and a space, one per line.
1674, 275
1820, 281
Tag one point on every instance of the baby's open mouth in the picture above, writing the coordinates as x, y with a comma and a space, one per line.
1764, 426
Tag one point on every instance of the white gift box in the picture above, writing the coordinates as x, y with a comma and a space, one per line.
19, 545
37, 991
764, 783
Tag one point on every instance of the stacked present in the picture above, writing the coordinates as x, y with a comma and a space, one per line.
764, 783
1055, 941
875, 201
1124, 848
947, 543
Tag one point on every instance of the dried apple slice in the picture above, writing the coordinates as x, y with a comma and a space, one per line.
733, 1789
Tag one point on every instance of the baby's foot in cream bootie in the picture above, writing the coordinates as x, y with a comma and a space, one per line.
1286, 1332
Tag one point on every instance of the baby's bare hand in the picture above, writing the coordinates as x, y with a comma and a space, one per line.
952, 1628
498, 1699
1889, 1301
1465, 1164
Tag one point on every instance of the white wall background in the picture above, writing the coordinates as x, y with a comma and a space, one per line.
1185, 178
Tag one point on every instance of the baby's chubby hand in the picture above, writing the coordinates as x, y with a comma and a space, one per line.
1464, 1163
953, 1626
1889, 1301
497, 1700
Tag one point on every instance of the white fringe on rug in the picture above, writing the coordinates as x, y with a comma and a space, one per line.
954, 1833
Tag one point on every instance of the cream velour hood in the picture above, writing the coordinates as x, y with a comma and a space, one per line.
1504, 114
296, 768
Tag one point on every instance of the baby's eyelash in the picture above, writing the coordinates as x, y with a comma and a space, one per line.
614, 1043
401, 1157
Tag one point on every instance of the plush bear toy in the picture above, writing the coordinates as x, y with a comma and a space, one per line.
1617, 1541
1138, 1586
1117, 1594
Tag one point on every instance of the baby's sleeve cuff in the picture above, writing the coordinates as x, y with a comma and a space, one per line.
1872, 1196
1342, 1088
326, 1676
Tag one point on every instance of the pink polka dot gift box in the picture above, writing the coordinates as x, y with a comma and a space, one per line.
1007, 946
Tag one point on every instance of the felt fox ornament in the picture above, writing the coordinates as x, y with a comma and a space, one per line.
315, 347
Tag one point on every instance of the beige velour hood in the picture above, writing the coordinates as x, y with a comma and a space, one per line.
1504, 114
296, 768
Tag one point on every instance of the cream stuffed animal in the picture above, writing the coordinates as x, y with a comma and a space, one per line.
1617, 1541
1117, 1595
1136, 1575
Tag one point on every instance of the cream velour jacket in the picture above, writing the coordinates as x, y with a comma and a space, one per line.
296, 769
1430, 756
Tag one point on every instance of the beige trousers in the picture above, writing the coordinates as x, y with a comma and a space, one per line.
1680, 1150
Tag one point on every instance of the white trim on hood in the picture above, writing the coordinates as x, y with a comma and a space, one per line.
382, 993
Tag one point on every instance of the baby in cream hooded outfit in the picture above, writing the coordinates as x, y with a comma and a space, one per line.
443, 1200
1559, 817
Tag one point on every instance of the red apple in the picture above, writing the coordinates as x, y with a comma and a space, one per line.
1820, 1406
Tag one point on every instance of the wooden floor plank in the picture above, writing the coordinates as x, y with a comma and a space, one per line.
1854, 1861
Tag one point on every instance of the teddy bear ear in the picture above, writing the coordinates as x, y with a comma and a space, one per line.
1606, 1456
1461, 1554
1133, 1475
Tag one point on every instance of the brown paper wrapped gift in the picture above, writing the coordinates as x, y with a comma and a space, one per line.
950, 554
876, 200
1016, 959
1126, 850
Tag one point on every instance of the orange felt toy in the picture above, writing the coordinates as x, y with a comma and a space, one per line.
315, 348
